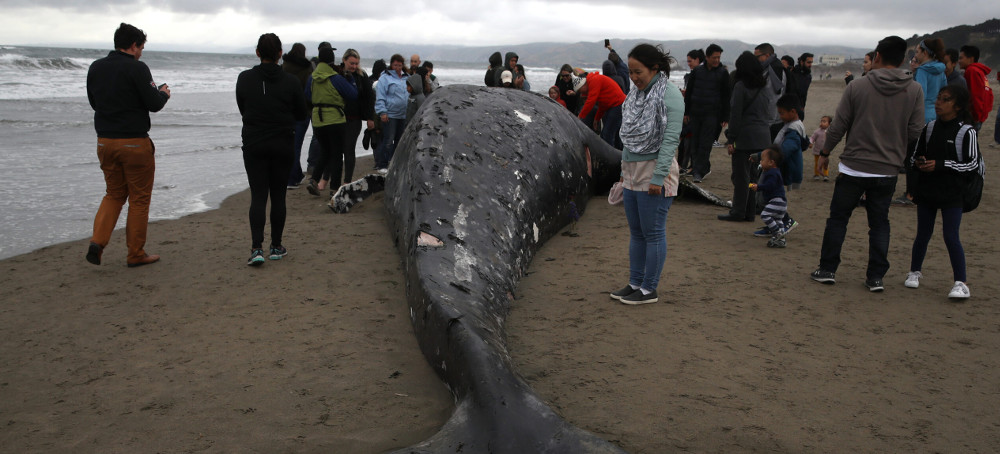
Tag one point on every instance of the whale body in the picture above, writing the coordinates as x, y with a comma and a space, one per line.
481, 178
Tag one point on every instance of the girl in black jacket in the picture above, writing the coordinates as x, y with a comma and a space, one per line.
945, 155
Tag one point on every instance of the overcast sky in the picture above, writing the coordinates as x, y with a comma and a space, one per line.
225, 25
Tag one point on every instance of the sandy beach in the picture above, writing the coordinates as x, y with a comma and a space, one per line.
315, 353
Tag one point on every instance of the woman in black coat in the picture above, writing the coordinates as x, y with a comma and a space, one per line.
270, 101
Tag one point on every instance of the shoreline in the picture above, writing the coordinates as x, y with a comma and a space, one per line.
315, 352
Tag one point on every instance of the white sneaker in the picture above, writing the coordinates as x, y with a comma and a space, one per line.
960, 290
913, 279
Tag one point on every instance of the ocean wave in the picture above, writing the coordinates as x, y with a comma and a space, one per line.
32, 124
19, 61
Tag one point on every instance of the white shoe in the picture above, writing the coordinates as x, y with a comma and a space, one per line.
960, 290
913, 279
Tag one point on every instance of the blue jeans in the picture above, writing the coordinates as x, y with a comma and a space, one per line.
951, 221
846, 194
392, 130
647, 247
314, 151
295, 175
612, 125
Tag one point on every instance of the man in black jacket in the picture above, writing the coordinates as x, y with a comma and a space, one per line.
706, 108
802, 78
122, 93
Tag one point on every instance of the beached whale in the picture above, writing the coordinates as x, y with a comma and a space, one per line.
480, 180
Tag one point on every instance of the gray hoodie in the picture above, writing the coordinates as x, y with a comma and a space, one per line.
416, 84
881, 114
504, 67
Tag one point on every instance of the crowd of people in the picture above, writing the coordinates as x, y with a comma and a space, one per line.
922, 121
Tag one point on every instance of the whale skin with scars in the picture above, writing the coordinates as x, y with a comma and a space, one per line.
481, 178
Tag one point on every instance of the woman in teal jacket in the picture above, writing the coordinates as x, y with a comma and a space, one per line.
928, 71
652, 115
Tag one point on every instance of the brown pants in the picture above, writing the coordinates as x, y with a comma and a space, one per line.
128, 167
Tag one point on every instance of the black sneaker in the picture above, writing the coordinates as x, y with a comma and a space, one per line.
874, 285
625, 291
94, 253
278, 252
825, 277
312, 187
637, 298
256, 257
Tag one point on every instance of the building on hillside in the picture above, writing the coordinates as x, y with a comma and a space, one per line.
831, 60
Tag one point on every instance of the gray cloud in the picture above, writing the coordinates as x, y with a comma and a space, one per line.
916, 13
520, 21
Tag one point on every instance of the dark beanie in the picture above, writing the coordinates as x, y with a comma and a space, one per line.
326, 55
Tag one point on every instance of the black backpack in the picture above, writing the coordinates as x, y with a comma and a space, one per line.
972, 189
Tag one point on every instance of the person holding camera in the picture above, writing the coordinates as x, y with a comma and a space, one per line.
122, 93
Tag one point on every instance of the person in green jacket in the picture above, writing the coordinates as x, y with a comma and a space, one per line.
327, 91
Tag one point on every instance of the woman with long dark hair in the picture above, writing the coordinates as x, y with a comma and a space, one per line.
941, 163
651, 125
748, 133
271, 101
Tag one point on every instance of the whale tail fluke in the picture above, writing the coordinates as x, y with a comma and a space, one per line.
529, 427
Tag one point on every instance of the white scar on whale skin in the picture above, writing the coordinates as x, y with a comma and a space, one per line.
522, 116
463, 258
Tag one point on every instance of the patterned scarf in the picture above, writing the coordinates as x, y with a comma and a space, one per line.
644, 118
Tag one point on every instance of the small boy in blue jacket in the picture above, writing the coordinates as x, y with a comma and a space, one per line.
791, 140
772, 187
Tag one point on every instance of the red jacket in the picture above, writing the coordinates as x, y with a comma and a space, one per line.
603, 91
979, 88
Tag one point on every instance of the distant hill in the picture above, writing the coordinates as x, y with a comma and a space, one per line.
592, 54
985, 36
583, 54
